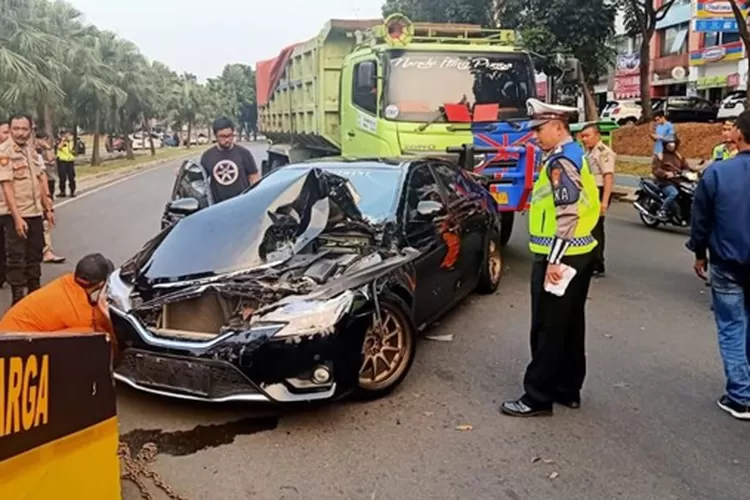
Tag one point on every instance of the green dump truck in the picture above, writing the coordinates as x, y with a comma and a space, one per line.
374, 88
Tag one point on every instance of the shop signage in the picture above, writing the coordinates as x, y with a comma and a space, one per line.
627, 87
711, 82
729, 52
716, 16
628, 64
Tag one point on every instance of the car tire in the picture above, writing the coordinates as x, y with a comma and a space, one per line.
628, 121
492, 267
396, 317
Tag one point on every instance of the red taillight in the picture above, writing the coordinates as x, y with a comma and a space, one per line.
616, 110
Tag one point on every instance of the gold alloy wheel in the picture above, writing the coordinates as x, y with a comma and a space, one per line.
494, 262
385, 352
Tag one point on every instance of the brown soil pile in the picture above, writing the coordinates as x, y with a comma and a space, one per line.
697, 140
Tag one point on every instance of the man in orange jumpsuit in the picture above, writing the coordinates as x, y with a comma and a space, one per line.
75, 302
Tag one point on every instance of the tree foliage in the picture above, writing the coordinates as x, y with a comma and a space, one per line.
641, 17
443, 11
70, 74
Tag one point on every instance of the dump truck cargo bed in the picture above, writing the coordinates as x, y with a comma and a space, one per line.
298, 91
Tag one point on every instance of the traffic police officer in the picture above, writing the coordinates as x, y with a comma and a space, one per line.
25, 203
728, 148
565, 208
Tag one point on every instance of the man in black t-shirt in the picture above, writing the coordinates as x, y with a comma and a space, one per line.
229, 167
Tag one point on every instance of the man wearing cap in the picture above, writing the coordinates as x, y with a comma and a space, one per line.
74, 302
564, 210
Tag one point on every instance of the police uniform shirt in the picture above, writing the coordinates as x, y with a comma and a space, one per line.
601, 162
21, 166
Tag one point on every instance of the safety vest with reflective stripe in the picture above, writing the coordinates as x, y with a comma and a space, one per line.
542, 215
721, 152
65, 151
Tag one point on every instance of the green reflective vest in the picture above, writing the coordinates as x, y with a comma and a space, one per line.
65, 151
721, 152
542, 215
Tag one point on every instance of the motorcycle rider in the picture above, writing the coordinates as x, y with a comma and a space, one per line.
667, 168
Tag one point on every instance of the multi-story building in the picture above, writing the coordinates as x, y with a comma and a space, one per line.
717, 62
669, 51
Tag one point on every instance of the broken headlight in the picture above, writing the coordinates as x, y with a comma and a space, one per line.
308, 317
118, 292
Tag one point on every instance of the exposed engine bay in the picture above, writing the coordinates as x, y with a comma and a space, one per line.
210, 308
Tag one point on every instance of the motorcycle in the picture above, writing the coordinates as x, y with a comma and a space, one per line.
650, 198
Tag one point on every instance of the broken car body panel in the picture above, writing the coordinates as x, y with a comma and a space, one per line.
246, 299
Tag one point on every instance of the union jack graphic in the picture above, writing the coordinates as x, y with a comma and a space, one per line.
484, 140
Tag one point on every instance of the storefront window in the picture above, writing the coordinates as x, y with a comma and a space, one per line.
673, 40
714, 39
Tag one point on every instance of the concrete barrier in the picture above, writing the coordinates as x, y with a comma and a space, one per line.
58, 418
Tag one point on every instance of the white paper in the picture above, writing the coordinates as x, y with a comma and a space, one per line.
559, 289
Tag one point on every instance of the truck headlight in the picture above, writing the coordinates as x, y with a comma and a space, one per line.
308, 317
118, 292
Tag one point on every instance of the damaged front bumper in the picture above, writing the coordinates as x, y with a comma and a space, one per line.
259, 365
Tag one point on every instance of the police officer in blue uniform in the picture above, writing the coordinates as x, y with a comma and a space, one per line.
564, 210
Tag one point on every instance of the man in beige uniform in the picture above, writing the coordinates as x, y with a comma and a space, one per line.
26, 205
49, 164
602, 163
4, 136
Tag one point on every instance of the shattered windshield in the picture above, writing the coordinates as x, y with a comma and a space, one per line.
377, 187
268, 224
419, 83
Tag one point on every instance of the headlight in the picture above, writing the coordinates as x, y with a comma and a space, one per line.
308, 317
118, 292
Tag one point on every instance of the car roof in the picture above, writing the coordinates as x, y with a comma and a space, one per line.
386, 163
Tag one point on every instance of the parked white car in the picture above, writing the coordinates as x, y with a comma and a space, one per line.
732, 105
140, 141
622, 112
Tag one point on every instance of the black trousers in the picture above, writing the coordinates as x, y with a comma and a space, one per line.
3, 272
66, 171
51, 186
558, 335
24, 255
598, 234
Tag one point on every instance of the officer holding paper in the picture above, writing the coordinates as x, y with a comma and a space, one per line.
565, 209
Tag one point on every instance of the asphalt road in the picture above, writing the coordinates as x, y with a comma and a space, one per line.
649, 428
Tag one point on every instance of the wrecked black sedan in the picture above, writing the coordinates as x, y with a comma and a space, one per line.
311, 285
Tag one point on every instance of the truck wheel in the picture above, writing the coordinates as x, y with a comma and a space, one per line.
492, 267
506, 227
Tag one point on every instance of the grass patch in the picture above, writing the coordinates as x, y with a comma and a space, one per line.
140, 159
634, 168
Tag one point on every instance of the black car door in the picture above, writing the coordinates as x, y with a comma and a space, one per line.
470, 222
190, 182
430, 235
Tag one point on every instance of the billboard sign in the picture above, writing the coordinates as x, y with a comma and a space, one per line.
716, 16
628, 64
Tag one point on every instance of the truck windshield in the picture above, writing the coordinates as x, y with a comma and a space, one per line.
419, 83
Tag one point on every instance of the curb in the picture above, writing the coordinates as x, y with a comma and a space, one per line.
97, 180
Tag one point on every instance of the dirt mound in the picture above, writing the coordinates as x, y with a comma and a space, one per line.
697, 140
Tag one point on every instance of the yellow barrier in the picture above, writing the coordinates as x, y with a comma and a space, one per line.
58, 419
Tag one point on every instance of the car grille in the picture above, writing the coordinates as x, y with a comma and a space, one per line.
204, 379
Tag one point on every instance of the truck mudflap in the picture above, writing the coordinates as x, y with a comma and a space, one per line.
58, 418
511, 162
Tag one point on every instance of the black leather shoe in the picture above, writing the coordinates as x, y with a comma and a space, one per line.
519, 408
573, 404
571, 400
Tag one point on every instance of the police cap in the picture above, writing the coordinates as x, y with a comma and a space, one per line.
541, 112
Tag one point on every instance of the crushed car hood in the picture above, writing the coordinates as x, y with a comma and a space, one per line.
263, 227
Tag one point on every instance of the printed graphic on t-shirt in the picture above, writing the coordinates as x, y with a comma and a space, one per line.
226, 172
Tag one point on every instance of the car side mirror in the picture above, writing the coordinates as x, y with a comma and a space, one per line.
429, 209
183, 206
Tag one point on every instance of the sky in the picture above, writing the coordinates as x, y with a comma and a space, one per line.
201, 36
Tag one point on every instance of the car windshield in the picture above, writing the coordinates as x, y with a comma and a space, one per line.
377, 187
419, 83
266, 225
